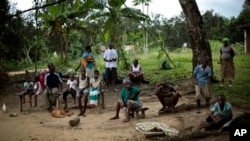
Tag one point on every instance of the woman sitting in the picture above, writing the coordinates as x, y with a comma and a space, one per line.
135, 73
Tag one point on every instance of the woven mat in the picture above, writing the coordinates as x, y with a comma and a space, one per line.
153, 129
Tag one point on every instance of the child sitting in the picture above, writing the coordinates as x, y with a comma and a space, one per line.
83, 91
220, 114
37, 89
95, 89
28, 89
72, 83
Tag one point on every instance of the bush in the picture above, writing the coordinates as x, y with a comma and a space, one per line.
4, 79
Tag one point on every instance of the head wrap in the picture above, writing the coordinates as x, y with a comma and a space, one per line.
225, 40
126, 81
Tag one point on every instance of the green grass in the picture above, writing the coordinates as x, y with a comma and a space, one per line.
182, 58
239, 94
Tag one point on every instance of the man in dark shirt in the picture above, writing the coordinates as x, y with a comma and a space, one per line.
167, 95
53, 83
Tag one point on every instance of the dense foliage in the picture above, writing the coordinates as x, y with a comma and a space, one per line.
33, 37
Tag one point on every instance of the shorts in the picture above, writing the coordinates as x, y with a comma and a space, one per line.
134, 104
202, 90
82, 92
89, 72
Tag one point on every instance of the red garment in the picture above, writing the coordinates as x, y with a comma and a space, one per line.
41, 80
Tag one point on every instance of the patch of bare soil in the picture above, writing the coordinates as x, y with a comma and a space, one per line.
37, 124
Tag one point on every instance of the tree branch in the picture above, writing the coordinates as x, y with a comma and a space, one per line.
38, 7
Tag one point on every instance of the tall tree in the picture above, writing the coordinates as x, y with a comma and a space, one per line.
199, 43
145, 34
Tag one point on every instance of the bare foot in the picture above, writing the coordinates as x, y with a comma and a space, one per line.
115, 117
82, 114
126, 120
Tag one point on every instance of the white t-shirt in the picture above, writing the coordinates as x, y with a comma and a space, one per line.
95, 83
38, 88
136, 69
72, 84
83, 83
110, 54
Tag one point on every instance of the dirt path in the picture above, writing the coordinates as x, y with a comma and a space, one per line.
36, 124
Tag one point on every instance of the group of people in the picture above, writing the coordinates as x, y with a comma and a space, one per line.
88, 85
221, 112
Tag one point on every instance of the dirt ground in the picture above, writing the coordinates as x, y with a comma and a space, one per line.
36, 124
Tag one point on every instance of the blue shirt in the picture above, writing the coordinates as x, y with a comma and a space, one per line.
224, 111
202, 75
89, 65
28, 85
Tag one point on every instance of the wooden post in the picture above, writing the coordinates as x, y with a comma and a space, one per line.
57, 100
30, 99
103, 103
21, 102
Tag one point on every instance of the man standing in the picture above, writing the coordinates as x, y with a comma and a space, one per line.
53, 83
202, 78
110, 57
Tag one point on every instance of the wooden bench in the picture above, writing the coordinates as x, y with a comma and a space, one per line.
140, 112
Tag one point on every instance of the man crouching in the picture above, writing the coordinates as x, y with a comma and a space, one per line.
129, 100
167, 95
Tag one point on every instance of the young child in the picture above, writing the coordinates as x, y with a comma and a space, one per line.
95, 89
28, 88
220, 114
37, 89
72, 83
83, 91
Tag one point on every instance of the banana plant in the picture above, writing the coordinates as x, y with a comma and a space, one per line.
66, 16
116, 14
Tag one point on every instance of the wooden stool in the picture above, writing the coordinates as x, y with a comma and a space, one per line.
142, 111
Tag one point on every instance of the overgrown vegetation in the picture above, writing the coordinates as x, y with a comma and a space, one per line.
25, 40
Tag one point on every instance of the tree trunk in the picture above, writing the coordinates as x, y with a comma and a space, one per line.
199, 44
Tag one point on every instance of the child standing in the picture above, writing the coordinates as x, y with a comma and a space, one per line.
83, 91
